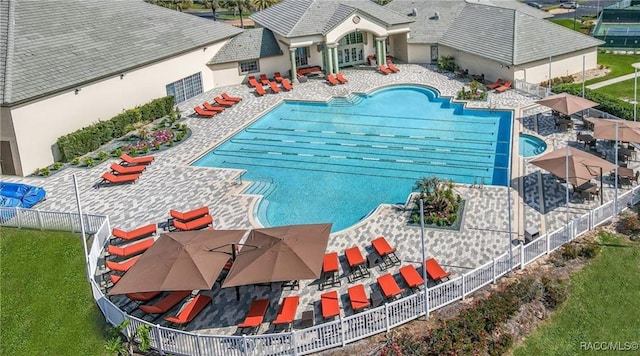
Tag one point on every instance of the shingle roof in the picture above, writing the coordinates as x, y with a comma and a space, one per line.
57, 45
426, 29
251, 44
294, 18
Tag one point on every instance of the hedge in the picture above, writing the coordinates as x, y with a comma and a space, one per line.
608, 103
90, 138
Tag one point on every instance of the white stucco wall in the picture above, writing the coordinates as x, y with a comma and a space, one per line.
418, 53
478, 65
398, 47
538, 71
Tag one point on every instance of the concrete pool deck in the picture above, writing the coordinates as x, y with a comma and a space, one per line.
537, 198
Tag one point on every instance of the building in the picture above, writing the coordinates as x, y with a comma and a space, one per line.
619, 25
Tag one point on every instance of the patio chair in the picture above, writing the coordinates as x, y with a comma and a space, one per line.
110, 178
341, 78
134, 234
435, 271
260, 90
197, 224
389, 287
120, 169
278, 77
222, 102
330, 304
121, 266
330, 270
384, 70
264, 80
131, 249
191, 310
143, 296
253, 82
392, 67
411, 277
166, 303
210, 107
274, 87
385, 251
358, 298
189, 215
356, 263
503, 87
286, 84
132, 161
235, 99
204, 113
287, 312
332, 80
255, 316
495, 84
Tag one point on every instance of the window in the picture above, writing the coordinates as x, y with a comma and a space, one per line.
352, 38
185, 88
302, 56
249, 67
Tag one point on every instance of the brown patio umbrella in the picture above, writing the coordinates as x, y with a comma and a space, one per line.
583, 166
180, 261
628, 131
566, 103
277, 254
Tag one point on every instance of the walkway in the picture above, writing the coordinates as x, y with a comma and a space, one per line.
619, 79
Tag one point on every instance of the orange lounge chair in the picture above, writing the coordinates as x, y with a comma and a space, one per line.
274, 87
260, 90
114, 278
189, 215
132, 161
191, 310
120, 169
143, 231
131, 249
389, 287
332, 80
253, 82
385, 251
411, 277
503, 87
286, 84
495, 84
208, 106
287, 312
222, 102
205, 113
384, 70
255, 315
330, 269
166, 303
435, 271
196, 224
121, 266
235, 99
392, 67
356, 263
263, 79
330, 304
341, 78
277, 77
358, 297
108, 177
142, 297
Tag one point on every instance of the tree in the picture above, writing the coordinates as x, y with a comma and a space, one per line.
263, 4
214, 5
239, 5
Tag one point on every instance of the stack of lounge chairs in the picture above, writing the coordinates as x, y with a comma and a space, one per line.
338, 79
196, 219
127, 171
220, 104
272, 85
389, 68
125, 248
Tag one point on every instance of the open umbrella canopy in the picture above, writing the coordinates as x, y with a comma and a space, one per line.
566, 103
180, 261
583, 166
282, 253
605, 129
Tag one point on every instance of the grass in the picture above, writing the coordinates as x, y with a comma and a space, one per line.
604, 304
622, 90
46, 303
568, 23
620, 64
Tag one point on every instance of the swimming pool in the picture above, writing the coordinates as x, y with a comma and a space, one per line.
530, 146
337, 161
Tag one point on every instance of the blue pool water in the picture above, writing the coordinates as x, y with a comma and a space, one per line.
337, 161
530, 146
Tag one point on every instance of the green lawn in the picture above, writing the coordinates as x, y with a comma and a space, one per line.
622, 90
604, 305
620, 64
45, 300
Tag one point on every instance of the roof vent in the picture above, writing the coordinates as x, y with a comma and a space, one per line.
414, 12
435, 16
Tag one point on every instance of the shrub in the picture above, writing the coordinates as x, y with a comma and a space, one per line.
555, 292
75, 161
117, 152
56, 165
88, 161
608, 103
500, 345
102, 155
589, 250
569, 251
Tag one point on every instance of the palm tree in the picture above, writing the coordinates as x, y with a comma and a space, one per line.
238, 5
214, 5
263, 4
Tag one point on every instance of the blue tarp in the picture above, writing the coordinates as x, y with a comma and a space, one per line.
20, 195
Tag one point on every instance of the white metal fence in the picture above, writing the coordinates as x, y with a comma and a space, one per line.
326, 335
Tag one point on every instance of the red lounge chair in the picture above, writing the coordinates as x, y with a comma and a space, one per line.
330, 269
256, 314
166, 303
132, 161
503, 87
389, 287
143, 231
142, 297
121, 266
330, 304
114, 278
332, 80
385, 251
191, 310
392, 67
205, 113
189, 215
196, 224
210, 107
108, 177
274, 87
120, 169
358, 297
263, 79
260, 90
356, 263
235, 99
341, 78
495, 84
253, 82
222, 102
435, 271
411, 277
287, 312
286, 84
384, 70
130, 250
277, 77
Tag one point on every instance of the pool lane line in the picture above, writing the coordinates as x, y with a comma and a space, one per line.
389, 117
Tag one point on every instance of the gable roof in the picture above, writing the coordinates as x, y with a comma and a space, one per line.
295, 18
251, 44
55, 45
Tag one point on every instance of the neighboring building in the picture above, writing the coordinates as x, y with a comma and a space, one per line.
64, 67
619, 25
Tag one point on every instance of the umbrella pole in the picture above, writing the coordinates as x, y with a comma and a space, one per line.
237, 293
601, 191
